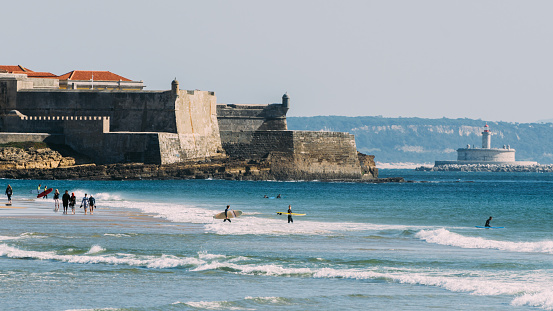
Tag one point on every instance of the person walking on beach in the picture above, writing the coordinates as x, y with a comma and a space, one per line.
46, 195
226, 214
9, 192
488, 222
73, 202
290, 220
65, 201
56, 201
84, 203
92, 203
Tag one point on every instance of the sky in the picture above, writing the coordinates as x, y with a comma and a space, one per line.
490, 60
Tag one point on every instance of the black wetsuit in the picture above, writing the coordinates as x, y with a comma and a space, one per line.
65, 201
226, 215
487, 223
290, 220
9, 193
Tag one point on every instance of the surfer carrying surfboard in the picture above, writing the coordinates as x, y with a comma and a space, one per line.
290, 220
488, 222
226, 214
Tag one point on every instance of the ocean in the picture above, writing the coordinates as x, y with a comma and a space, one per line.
154, 245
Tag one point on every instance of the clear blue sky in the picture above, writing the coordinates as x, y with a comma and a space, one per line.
476, 59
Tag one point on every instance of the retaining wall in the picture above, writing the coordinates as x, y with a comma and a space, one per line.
298, 154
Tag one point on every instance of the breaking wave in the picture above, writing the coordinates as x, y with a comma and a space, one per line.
444, 237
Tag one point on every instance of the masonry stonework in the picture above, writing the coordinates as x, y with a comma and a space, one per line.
166, 127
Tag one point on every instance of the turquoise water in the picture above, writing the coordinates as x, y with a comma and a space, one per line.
153, 245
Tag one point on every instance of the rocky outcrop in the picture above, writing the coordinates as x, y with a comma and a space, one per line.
213, 169
44, 158
368, 166
24, 162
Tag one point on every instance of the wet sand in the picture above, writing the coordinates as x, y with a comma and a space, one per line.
44, 209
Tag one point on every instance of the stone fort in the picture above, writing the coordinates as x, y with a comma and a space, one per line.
116, 121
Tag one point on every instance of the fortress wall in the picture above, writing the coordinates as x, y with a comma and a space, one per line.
494, 155
197, 127
131, 147
8, 93
324, 155
136, 111
256, 145
58, 139
298, 154
252, 117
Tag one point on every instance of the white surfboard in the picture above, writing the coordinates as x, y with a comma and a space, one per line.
230, 214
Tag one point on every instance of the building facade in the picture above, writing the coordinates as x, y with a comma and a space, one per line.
486, 154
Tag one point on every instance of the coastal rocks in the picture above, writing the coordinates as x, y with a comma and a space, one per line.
487, 168
31, 158
368, 166
227, 169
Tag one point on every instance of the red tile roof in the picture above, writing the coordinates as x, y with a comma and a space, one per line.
83, 75
11, 69
35, 74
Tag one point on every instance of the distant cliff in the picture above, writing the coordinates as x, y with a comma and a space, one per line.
422, 140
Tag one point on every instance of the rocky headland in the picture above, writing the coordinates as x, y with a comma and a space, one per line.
42, 162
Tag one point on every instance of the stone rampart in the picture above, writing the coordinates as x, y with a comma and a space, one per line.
298, 154
320, 155
236, 118
258, 144
134, 111
58, 139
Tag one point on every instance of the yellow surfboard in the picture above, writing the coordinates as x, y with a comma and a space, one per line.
293, 214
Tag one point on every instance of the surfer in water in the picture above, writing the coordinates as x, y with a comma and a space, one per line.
290, 220
226, 214
488, 222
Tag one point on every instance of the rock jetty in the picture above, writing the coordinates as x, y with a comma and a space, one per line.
487, 168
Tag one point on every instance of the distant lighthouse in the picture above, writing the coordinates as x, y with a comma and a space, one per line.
486, 138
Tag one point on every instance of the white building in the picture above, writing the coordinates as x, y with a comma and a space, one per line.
486, 154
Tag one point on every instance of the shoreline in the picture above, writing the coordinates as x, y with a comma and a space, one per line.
219, 170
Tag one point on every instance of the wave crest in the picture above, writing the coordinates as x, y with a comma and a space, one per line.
445, 237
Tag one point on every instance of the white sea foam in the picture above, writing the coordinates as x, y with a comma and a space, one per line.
445, 237
7, 238
214, 305
155, 262
254, 223
532, 288
95, 249
542, 299
118, 235
100, 196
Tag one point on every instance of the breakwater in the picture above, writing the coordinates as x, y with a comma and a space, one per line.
488, 168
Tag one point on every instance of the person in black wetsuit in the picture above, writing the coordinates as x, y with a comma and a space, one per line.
488, 222
65, 201
226, 214
9, 192
290, 220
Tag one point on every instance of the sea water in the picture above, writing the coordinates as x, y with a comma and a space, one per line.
154, 245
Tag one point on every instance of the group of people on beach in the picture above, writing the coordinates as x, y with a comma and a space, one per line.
68, 201
88, 203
